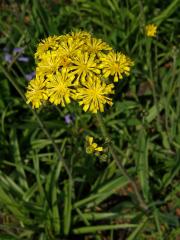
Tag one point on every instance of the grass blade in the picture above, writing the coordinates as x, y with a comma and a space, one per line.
67, 206
142, 163
94, 229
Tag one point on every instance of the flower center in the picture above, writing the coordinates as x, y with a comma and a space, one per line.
116, 66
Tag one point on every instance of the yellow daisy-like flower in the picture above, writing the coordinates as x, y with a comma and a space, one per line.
84, 65
50, 63
36, 92
76, 66
93, 95
80, 35
115, 64
60, 88
50, 43
70, 47
94, 45
91, 146
151, 30
64, 60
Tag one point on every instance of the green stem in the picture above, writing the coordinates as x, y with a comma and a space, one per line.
60, 157
142, 15
40, 122
157, 223
151, 81
119, 164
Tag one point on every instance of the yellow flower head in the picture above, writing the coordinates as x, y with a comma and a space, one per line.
93, 95
50, 63
60, 88
94, 45
50, 43
115, 64
80, 35
36, 92
91, 146
151, 30
75, 66
70, 47
84, 65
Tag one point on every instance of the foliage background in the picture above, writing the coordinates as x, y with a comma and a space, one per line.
37, 198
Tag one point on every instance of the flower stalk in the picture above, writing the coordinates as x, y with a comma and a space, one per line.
123, 171
40, 122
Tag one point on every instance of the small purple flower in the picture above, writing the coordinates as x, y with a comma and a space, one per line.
30, 76
18, 50
69, 118
8, 57
5, 49
23, 59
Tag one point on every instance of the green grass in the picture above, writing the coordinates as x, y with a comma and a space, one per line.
50, 188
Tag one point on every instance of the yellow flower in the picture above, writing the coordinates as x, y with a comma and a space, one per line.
64, 60
49, 63
95, 45
93, 95
84, 65
36, 92
50, 43
76, 66
80, 35
59, 88
151, 30
69, 47
91, 146
115, 64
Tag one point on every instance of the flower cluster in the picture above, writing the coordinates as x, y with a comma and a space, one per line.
76, 67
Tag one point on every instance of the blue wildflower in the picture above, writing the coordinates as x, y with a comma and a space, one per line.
30, 76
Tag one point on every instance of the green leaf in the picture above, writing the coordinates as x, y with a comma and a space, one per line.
102, 193
7, 237
17, 158
67, 206
166, 12
142, 162
153, 112
137, 231
93, 229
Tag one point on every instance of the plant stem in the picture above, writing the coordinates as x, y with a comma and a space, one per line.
151, 81
140, 200
40, 122
60, 157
